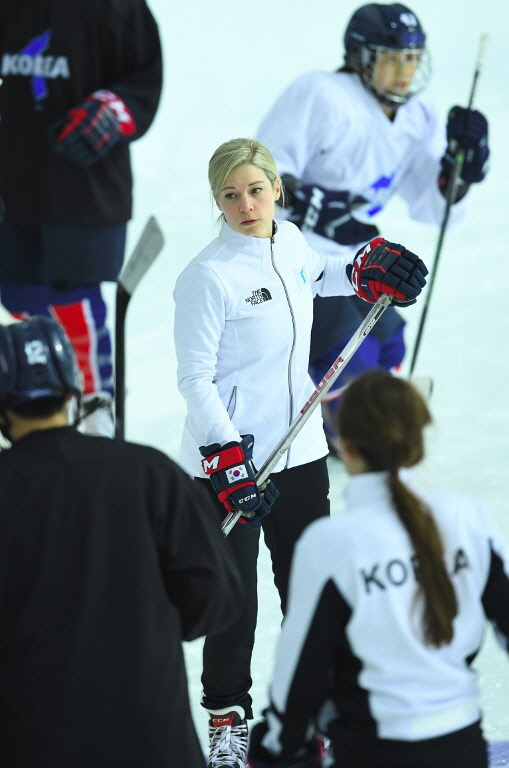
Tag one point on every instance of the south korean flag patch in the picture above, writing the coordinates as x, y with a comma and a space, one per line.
234, 474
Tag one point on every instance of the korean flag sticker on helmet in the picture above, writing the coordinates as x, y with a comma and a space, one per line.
234, 474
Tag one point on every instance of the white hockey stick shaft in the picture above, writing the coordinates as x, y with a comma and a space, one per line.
314, 400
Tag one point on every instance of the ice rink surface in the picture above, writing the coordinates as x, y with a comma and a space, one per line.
224, 65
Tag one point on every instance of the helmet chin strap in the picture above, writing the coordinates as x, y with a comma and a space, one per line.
388, 99
74, 410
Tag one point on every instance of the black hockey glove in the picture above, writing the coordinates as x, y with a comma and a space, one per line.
383, 267
310, 756
467, 130
91, 129
328, 213
232, 474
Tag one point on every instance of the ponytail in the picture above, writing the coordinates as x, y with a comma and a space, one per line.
383, 417
434, 583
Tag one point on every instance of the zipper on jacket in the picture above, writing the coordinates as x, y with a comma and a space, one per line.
290, 390
232, 402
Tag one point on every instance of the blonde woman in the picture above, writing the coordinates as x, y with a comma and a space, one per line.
243, 313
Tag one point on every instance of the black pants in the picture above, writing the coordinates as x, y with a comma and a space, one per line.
465, 748
61, 255
303, 497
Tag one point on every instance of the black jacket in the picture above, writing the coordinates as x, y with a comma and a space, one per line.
110, 556
53, 54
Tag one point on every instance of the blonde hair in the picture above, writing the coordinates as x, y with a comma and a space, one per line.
383, 417
243, 151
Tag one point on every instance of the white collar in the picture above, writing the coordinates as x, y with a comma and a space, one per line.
232, 237
367, 488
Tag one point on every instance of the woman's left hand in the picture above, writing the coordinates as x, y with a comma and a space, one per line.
383, 267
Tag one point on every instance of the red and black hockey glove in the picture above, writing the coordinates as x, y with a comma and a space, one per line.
91, 129
232, 474
383, 267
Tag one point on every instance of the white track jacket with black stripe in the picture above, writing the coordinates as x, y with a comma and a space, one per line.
352, 633
243, 316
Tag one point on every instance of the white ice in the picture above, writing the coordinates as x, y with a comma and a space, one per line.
224, 65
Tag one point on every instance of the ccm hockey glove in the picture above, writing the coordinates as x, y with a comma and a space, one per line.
467, 130
383, 267
232, 474
91, 129
327, 212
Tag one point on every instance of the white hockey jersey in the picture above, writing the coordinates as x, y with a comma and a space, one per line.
243, 314
352, 632
326, 128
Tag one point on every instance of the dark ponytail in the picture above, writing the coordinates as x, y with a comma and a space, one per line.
383, 417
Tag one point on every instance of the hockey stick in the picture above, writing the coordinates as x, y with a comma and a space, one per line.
145, 252
459, 159
314, 400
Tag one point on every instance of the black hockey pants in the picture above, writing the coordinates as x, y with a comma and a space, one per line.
303, 497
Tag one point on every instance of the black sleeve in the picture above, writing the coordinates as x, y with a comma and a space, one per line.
495, 597
139, 81
311, 648
314, 675
200, 576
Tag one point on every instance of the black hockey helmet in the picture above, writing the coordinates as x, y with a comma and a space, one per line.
36, 361
378, 26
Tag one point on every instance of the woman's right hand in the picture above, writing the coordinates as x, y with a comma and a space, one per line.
233, 476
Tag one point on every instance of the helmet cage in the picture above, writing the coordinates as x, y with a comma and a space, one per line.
369, 60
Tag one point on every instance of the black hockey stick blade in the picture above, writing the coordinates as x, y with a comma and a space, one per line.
143, 256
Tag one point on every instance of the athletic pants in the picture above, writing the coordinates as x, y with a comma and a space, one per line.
56, 270
465, 748
303, 497
372, 353
335, 320
81, 312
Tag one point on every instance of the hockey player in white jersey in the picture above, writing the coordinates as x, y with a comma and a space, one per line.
388, 606
345, 142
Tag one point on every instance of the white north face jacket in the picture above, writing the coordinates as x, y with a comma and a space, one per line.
243, 315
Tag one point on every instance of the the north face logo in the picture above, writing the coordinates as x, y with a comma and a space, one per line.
259, 296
